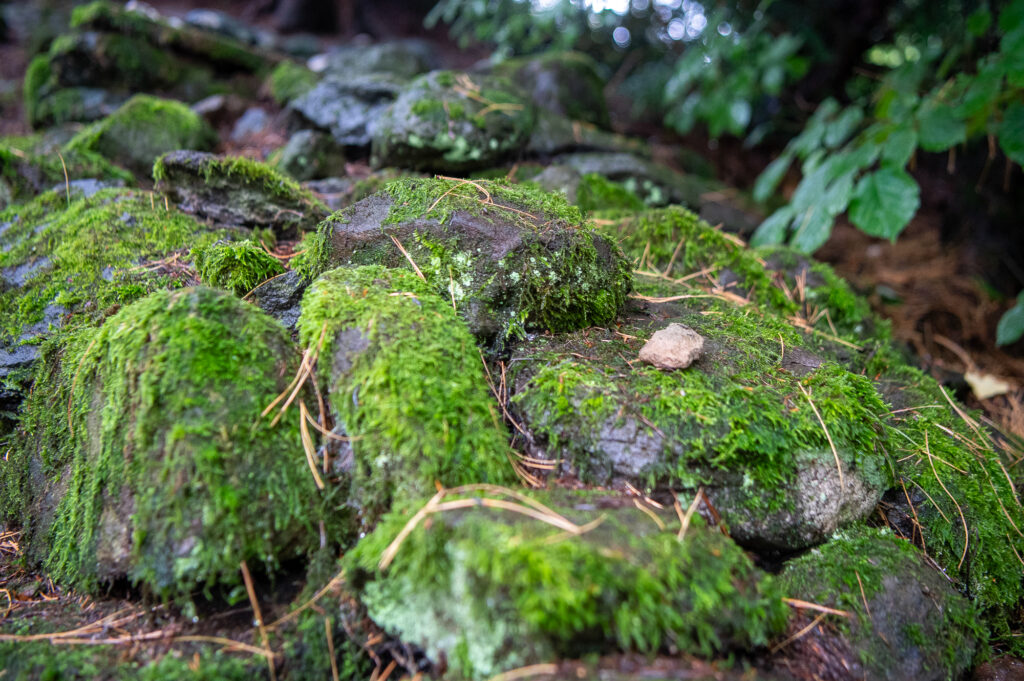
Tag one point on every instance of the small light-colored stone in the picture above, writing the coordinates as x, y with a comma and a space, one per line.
674, 347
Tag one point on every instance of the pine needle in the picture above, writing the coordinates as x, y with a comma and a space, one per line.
835, 453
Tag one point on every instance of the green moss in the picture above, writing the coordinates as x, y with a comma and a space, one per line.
155, 419
494, 590
90, 255
219, 49
37, 77
560, 274
866, 564
277, 185
238, 266
142, 129
406, 381
596, 192
738, 411
290, 81
29, 167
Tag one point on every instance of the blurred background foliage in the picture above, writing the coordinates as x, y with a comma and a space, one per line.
850, 93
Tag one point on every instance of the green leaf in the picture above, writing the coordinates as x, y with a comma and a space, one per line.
939, 127
1011, 133
1011, 325
900, 145
1012, 48
978, 22
769, 179
884, 201
813, 228
1011, 17
773, 229
837, 196
811, 187
843, 126
810, 138
983, 89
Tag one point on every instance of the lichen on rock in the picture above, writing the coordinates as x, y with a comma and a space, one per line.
453, 122
507, 257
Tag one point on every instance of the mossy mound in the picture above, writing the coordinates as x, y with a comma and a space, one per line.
673, 243
507, 257
150, 455
237, 191
31, 165
493, 580
564, 82
289, 80
71, 262
596, 192
238, 266
735, 421
143, 129
114, 52
447, 121
906, 620
406, 384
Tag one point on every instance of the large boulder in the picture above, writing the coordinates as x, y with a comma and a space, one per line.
489, 580
453, 122
237, 191
405, 383
508, 258
148, 457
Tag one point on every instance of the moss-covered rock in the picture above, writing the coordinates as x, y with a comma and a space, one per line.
143, 129
145, 457
493, 580
289, 80
454, 122
564, 82
507, 257
906, 621
238, 266
237, 191
32, 165
596, 192
405, 382
348, 108
71, 261
735, 422
310, 154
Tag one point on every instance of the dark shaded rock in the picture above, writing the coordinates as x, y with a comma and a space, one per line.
454, 122
280, 298
565, 83
222, 24
401, 59
507, 257
655, 184
488, 590
350, 108
237, 191
310, 154
555, 134
907, 622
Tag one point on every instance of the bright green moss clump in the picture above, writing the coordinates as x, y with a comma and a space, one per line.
406, 381
490, 589
289, 81
596, 192
142, 129
172, 476
511, 257
238, 266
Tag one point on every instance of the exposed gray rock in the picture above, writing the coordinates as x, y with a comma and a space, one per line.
310, 154
281, 298
402, 59
553, 134
349, 108
253, 122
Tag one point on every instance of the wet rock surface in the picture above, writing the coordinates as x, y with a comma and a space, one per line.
349, 108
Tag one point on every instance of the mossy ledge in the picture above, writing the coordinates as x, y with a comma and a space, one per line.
508, 257
238, 266
144, 445
489, 589
405, 382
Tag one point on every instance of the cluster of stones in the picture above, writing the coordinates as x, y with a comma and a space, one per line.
539, 432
